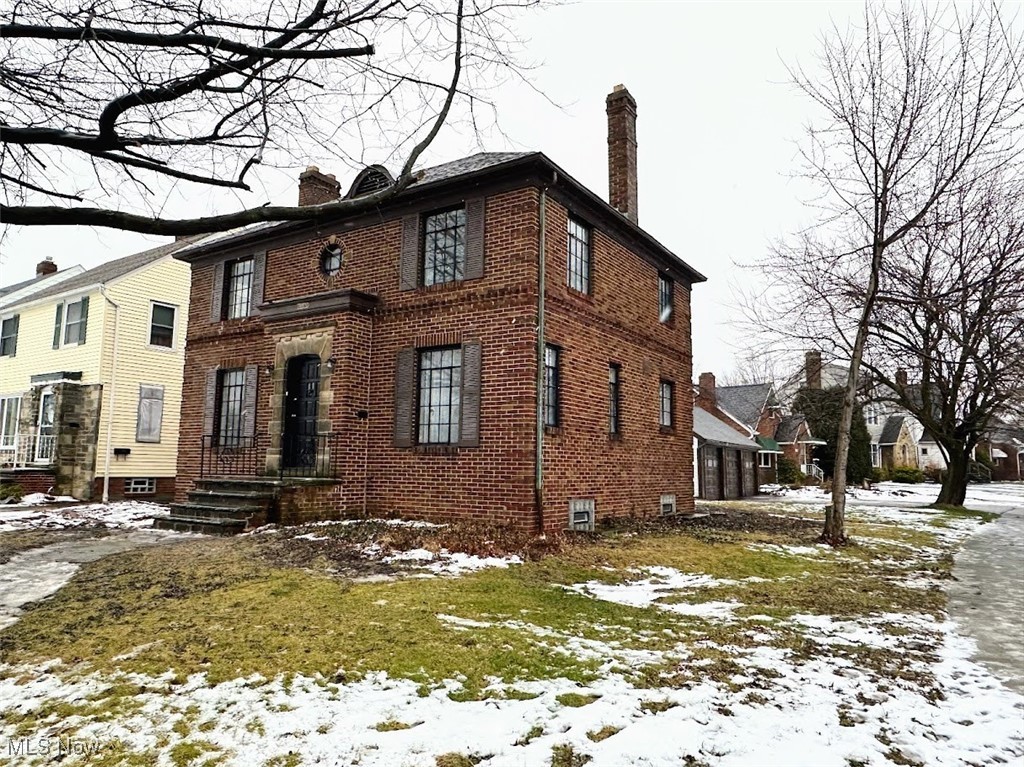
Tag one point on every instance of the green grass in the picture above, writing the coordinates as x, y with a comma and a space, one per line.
961, 512
576, 700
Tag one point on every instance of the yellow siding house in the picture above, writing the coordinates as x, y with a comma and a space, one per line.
90, 378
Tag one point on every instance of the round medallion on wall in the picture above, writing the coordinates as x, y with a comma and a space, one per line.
331, 258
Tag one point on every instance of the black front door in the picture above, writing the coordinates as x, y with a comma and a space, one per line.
301, 397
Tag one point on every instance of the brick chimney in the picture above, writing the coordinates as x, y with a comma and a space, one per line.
45, 267
621, 108
316, 188
812, 369
706, 397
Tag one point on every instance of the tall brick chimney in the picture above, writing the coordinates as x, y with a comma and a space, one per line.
621, 108
706, 395
45, 267
812, 369
316, 188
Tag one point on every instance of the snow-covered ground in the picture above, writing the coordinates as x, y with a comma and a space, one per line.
122, 514
781, 708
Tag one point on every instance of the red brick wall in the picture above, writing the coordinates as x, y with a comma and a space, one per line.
492, 482
164, 490
30, 480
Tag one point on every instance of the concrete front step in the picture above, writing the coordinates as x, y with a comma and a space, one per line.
232, 498
183, 523
237, 513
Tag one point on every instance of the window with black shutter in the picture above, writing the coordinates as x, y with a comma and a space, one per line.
230, 407
9, 336
439, 396
444, 247
551, 385
614, 399
238, 276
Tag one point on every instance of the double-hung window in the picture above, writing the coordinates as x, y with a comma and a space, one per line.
614, 399
238, 288
578, 255
665, 305
161, 325
444, 247
10, 409
666, 397
551, 386
9, 336
439, 396
764, 460
75, 318
230, 407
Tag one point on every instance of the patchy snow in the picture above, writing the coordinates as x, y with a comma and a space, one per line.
442, 562
40, 499
122, 514
819, 709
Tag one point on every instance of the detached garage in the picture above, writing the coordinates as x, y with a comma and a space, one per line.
726, 461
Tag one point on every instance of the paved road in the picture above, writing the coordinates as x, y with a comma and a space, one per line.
987, 598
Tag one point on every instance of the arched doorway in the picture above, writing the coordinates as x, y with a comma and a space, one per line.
301, 399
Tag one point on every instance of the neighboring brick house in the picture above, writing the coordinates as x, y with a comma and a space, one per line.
90, 377
725, 455
1004, 443
419, 358
756, 407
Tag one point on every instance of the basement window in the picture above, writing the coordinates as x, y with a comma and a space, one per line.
581, 514
140, 486
668, 505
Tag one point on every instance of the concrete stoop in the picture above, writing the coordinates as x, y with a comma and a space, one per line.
223, 507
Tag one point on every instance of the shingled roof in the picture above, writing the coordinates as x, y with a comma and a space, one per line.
709, 429
105, 273
746, 402
891, 430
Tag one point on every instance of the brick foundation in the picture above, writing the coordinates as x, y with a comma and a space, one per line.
29, 480
165, 487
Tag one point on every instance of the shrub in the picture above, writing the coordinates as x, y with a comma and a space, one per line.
10, 490
879, 474
907, 474
933, 474
789, 472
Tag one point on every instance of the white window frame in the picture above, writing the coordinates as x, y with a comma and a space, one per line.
174, 327
764, 460
139, 485
876, 456
5, 405
65, 324
667, 501
6, 318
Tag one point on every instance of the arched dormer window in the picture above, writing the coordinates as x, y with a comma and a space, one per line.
371, 179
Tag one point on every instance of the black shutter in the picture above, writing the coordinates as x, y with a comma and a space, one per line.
405, 396
210, 402
217, 302
57, 326
249, 403
409, 266
85, 320
259, 275
14, 341
469, 422
474, 239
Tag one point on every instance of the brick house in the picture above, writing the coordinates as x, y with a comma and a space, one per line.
757, 407
495, 343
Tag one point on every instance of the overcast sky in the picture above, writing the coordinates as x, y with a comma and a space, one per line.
717, 130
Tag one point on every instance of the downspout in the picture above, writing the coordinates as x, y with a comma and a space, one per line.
538, 490
110, 400
366, 421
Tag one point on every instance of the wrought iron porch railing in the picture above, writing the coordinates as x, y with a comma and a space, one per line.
315, 456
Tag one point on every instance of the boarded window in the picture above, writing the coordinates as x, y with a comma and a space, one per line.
151, 414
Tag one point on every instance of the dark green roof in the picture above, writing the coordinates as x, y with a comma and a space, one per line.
768, 444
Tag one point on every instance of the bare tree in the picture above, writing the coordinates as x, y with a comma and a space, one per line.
105, 103
950, 308
911, 103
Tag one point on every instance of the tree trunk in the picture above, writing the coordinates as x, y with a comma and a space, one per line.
954, 483
834, 533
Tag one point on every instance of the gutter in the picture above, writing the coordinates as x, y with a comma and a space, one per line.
538, 489
110, 401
